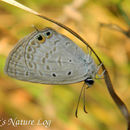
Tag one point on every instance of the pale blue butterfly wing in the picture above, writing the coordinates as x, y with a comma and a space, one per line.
48, 57
15, 63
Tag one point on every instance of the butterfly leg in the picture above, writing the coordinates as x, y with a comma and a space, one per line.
100, 75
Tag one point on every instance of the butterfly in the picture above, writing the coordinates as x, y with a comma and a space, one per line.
48, 57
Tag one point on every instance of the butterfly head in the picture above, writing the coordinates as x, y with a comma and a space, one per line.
89, 81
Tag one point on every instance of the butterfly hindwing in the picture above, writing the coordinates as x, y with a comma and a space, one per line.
48, 57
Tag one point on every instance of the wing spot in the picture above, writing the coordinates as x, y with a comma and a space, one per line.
43, 60
59, 61
31, 65
55, 42
69, 73
50, 52
27, 73
33, 43
46, 55
47, 67
54, 75
67, 43
70, 60
19, 57
28, 56
54, 49
40, 73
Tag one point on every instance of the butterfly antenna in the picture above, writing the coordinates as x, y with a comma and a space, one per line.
76, 112
35, 28
84, 98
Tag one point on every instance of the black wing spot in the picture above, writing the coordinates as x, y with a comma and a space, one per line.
54, 75
70, 60
69, 73
48, 33
39, 37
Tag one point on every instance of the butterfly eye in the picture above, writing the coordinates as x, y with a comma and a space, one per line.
48, 34
40, 38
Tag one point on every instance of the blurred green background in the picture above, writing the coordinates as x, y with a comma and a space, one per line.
24, 101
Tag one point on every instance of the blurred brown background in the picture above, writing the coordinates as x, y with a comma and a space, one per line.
24, 101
